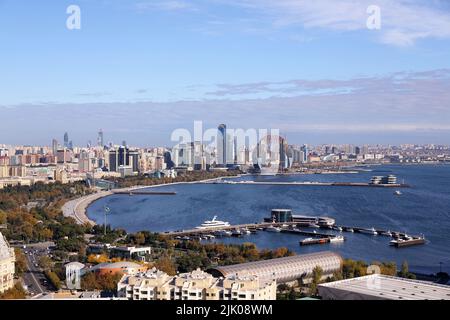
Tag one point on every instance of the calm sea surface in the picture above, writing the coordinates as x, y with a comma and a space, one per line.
423, 208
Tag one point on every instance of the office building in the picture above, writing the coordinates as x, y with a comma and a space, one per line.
222, 145
100, 138
123, 157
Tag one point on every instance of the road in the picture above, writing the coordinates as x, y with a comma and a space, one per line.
34, 277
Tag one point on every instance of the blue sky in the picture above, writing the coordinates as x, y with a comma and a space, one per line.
140, 69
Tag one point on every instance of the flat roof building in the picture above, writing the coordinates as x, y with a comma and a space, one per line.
131, 252
196, 285
285, 269
381, 287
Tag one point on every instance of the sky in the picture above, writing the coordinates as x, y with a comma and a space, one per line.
139, 69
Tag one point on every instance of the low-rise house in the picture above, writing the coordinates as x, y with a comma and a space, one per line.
196, 285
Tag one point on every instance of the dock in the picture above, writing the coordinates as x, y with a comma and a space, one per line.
249, 226
149, 193
312, 184
399, 239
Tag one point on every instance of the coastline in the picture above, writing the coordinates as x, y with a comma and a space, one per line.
77, 208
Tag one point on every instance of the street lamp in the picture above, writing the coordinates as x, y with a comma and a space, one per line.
107, 210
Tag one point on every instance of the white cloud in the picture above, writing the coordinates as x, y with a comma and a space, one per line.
403, 22
168, 5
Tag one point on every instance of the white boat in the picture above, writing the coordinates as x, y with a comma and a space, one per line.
213, 224
350, 230
236, 233
337, 239
245, 231
210, 236
222, 233
387, 233
397, 193
273, 229
406, 237
369, 231
338, 228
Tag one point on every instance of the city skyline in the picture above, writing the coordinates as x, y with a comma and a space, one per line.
249, 64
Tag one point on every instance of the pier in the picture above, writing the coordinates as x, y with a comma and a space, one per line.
149, 193
399, 239
296, 183
249, 226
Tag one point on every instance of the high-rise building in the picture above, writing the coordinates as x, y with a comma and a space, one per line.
305, 154
66, 140
54, 146
222, 145
100, 138
123, 157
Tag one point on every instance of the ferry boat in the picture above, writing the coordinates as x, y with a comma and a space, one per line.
337, 239
213, 224
409, 241
369, 231
309, 241
273, 229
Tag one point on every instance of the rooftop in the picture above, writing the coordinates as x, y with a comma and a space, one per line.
392, 288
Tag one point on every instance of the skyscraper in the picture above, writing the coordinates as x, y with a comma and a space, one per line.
222, 144
66, 140
54, 146
100, 138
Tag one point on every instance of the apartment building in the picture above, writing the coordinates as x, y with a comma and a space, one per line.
196, 285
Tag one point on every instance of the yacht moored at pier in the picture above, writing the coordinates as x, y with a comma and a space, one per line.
371, 231
213, 224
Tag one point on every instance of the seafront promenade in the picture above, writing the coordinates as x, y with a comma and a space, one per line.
76, 208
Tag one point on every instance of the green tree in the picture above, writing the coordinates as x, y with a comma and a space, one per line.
53, 279
316, 278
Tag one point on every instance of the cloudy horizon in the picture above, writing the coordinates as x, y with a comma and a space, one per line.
313, 70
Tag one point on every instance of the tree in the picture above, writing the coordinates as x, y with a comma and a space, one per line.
53, 278
45, 262
404, 269
166, 265
16, 292
21, 263
316, 278
404, 272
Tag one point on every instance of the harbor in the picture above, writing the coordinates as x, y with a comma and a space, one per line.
283, 221
353, 207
